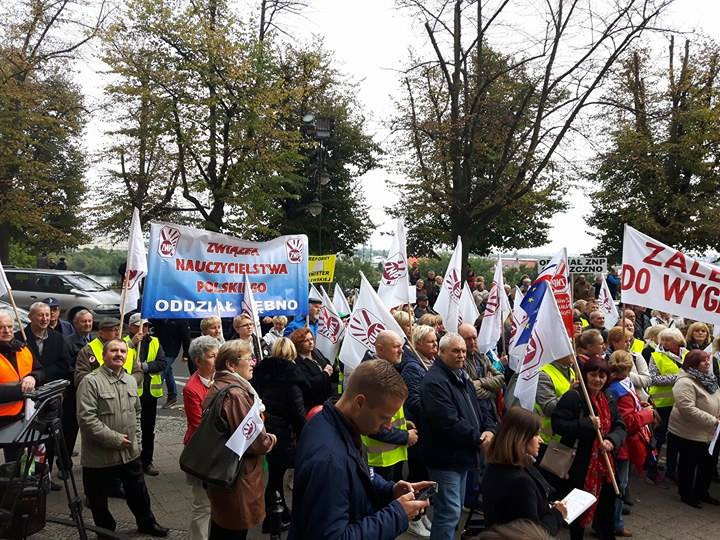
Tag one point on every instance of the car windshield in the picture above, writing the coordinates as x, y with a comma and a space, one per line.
84, 283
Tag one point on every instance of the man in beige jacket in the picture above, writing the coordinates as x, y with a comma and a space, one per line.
108, 410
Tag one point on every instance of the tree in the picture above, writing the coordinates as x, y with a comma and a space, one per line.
41, 122
661, 172
349, 153
485, 127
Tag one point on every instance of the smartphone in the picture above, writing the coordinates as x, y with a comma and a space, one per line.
426, 493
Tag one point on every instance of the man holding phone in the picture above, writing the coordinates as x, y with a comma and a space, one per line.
335, 495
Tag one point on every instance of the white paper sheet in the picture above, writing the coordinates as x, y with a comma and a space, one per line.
711, 448
577, 501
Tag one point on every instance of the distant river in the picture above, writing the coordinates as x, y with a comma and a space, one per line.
105, 280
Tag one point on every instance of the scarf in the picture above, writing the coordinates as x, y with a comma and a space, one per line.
597, 472
247, 387
708, 380
678, 359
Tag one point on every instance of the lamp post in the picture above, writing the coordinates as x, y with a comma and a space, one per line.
319, 129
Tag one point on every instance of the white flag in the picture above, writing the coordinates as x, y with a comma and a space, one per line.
330, 329
548, 341
497, 309
136, 265
606, 304
248, 306
4, 283
340, 302
248, 430
394, 282
519, 323
370, 316
468, 311
447, 304
314, 294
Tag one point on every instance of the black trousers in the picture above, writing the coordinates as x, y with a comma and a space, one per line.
218, 533
660, 435
417, 471
393, 473
695, 467
604, 520
96, 483
278, 464
148, 416
69, 420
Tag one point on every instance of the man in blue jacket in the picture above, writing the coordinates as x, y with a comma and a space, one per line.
335, 496
455, 427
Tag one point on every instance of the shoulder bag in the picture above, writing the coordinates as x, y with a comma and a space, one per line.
205, 455
558, 459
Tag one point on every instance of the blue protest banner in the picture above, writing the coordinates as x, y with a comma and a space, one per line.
195, 274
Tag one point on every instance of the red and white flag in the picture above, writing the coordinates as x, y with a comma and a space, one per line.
447, 304
330, 329
519, 323
556, 271
370, 316
340, 302
136, 266
248, 307
606, 304
248, 430
497, 309
548, 341
467, 311
393, 289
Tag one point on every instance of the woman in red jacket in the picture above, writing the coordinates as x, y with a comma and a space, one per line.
637, 416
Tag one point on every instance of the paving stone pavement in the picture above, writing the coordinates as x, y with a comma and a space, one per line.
658, 515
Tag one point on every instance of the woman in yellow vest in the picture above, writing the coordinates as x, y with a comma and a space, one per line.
665, 365
19, 373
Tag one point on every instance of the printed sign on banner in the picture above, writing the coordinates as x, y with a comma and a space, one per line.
659, 277
582, 265
195, 274
322, 268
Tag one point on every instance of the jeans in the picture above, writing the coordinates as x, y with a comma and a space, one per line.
169, 377
447, 504
622, 473
660, 436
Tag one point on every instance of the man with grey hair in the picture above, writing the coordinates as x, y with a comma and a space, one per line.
486, 380
455, 427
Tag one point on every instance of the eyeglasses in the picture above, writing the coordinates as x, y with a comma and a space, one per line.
246, 326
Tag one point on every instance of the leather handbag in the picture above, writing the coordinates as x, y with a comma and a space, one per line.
558, 459
205, 455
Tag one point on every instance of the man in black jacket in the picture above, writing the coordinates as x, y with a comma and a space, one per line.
455, 427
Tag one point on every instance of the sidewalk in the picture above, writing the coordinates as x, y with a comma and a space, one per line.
659, 514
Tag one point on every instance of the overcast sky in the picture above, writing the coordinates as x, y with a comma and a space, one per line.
371, 39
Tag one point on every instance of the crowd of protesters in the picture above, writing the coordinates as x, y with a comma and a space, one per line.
427, 410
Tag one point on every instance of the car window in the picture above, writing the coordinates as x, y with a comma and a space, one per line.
84, 283
51, 283
23, 281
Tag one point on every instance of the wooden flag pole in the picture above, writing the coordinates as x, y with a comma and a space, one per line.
122, 304
17, 315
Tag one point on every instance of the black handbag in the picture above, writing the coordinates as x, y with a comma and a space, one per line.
205, 455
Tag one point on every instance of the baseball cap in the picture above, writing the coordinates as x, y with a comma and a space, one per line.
136, 318
51, 301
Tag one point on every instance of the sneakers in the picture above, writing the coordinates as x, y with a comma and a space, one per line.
426, 521
417, 528
169, 402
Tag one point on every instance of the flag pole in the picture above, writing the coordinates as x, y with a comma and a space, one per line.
17, 315
122, 302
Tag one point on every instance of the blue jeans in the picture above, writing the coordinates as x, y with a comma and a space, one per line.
622, 473
168, 376
447, 504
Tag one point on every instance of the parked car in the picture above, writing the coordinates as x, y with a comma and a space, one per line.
5, 307
74, 291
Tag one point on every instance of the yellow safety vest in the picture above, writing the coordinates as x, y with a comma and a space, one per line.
156, 382
97, 348
638, 345
561, 385
662, 395
584, 322
382, 454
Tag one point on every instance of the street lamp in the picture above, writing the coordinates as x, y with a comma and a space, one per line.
324, 178
319, 129
315, 207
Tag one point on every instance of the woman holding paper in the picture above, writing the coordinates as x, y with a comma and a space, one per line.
236, 509
577, 425
512, 487
693, 424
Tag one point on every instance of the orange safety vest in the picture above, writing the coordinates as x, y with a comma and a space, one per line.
8, 374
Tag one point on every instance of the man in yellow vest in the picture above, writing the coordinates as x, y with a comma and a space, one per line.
554, 380
152, 362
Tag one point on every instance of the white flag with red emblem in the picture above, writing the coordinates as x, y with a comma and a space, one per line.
606, 304
370, 316
340, 302
394, 281
248, 430
519, 323
468, 311
447, 304
330, 329
548, 341
249, 308
136, 266
497, 309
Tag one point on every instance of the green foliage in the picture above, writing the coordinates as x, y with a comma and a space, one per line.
96, 261
661, 173
347, 273
21, 256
